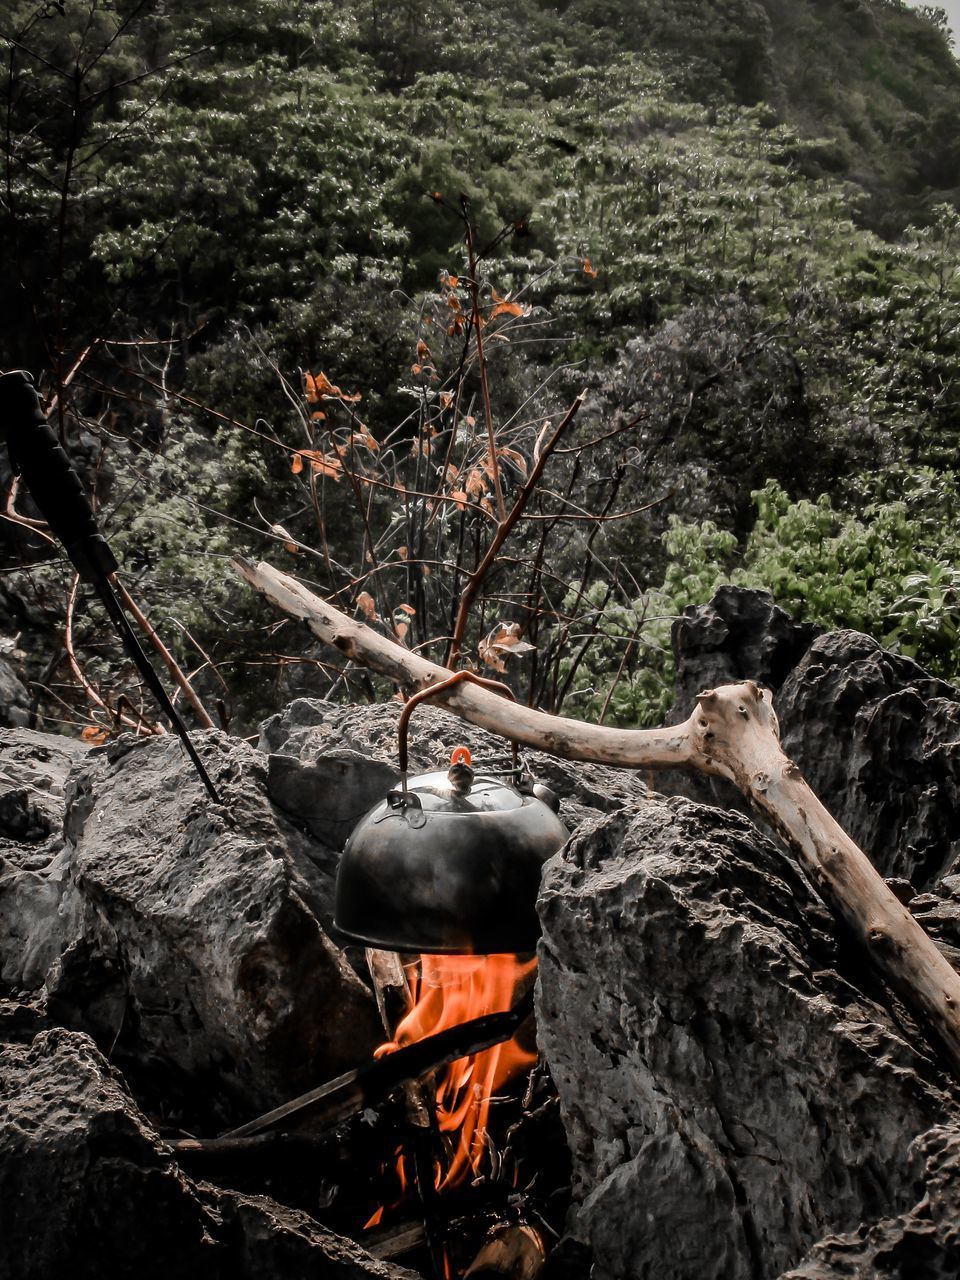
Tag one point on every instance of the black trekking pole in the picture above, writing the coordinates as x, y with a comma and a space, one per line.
38, 458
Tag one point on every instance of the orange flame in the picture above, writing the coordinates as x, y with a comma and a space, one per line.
451, 990
448, 991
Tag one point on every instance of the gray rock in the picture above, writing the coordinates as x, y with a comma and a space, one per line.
330, 764
878, 739
88, 1190
192, 933
876, 736
921, 1244
33, 772
732, 1084
739, 635
14, 697
31, 880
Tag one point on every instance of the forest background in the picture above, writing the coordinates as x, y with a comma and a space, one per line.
574, 312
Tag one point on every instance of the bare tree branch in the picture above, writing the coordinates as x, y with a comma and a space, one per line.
732, 733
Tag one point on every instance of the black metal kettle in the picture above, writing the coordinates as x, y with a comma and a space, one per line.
450, 861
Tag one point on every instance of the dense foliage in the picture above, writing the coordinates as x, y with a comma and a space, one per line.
732, 222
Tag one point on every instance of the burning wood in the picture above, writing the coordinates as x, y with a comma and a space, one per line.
447, 992
451, 991
516, 1252
333, 1103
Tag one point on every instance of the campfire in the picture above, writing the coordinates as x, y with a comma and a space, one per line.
446, 992
452, 1115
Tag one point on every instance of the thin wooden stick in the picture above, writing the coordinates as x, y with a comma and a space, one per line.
169, 661
138, 726
475, 580
732, 733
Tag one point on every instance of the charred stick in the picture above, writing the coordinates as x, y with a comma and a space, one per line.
336, 1101
393, 1000
258, 1143
394, 1242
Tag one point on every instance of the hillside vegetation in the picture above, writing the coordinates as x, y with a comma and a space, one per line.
235, 248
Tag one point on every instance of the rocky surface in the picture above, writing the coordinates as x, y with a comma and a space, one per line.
33, 774
191, 935
922, 1243
878, 739
742, 1098
88, 1189
329, 764
14, 697
739, 635
733, 1084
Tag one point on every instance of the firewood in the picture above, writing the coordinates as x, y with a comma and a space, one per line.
515, 1252
392, 991
335, 1102
732, 733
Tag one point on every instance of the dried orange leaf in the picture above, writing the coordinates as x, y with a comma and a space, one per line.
500, 643
326, 464
490, 656
506, 309
94, 735
518, 460
367, 605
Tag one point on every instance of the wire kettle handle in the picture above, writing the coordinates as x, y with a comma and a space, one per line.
458, 677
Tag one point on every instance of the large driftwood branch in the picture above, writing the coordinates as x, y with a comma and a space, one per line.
732, 733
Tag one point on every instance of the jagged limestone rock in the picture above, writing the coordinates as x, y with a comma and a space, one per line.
922, 1243
33, 773
193, 937
14, 697
89, 1190
878, 739
739, 635
732, 1081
